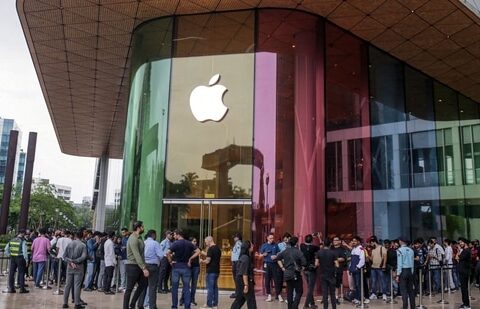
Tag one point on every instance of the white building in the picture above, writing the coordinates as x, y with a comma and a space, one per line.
60, 191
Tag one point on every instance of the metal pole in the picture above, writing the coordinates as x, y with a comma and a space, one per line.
117, 270
442, 292
1, 264
392, 297
46, 287
420, 294
430, 282
58, 291
362, 291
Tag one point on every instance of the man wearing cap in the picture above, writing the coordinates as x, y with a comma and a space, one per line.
405, 273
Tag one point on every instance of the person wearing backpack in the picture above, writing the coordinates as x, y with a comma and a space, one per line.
309, 250
100, 263
292, 262
378, 264
435, 261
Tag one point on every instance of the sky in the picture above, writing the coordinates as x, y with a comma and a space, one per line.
21, 99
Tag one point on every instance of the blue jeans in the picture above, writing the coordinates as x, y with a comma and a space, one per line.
378, 281
38, 272
212, 289
358, 287
184, 274
193, 284
88, 283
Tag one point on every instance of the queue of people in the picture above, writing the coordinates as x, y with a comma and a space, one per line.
375, 269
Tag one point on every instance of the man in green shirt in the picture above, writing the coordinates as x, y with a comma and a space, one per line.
135, 268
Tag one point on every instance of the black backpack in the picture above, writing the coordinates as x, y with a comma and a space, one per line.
101, 250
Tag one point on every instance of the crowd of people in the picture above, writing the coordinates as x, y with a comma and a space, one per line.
142, 267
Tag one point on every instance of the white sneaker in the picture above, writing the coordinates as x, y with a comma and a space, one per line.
366, 301
269, 298
384, 297
356, 301
205, 307
280, 298
373, 296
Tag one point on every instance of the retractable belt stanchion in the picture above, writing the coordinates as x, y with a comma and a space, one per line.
420, 290
442, 292
117, 270
470, 290
59, 275
362, 291
46, 286
1, 264
430, 290
392, 297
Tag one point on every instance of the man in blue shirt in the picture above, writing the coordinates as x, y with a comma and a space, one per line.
269, 251
123, 258
92, 246
237, 239
405, 262
165, 268
153, 255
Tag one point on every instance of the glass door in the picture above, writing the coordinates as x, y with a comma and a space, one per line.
220, 219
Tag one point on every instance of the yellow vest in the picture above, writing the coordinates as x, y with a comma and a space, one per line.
16, 247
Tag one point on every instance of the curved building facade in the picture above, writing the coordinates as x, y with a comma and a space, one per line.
276, 120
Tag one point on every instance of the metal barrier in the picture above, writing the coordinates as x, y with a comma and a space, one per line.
442, 291
420, 291
362, 291
392, 295
47, 276
59, 276
117, 271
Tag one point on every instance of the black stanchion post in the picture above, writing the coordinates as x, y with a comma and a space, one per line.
117, 270
46, 286
362, 291
59, 275
1, 264
420, 290
392, 297
430, 282
470, 290
442, 292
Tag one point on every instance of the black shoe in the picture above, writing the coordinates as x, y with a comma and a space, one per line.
83, 303
109, 293
193, 303
163, 292
87, 290
23, 291
181, 303
79, 307
9, 291
65, 306
233, 295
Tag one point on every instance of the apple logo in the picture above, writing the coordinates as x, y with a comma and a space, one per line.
206, 102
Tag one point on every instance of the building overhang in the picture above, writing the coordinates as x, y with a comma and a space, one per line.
81, 50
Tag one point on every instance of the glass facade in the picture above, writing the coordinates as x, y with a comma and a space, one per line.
319, 131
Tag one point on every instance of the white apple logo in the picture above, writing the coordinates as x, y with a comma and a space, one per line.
206, 102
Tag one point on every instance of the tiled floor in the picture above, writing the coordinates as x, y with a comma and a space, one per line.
39, 299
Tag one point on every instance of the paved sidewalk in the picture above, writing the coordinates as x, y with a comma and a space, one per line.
40, 299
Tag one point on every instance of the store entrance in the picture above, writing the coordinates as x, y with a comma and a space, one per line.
217, 218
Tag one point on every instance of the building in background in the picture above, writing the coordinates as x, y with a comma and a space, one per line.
21, 166
345, 117
60, 191
6, 125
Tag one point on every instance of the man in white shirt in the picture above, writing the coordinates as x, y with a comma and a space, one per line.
110, 262
448, 264
62, 243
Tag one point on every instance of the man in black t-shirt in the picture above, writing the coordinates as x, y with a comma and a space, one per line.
180, 255
342, 256
327, 260
213, 271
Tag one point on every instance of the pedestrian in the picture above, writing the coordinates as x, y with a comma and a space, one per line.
153, 255
341, 254
435, 260
123, 258
61, 244
212, 262
357, 263
16, 249
291, 261
464, 265
40, 252
100, 262
195, 272
110, 262
244, 281
237, 244
136, 270
327, 260
309, 250
180, 255
272, 272
404, 274
378, 270
92, 245
74, 256
165, 267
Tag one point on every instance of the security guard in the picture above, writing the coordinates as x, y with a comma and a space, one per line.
405, 273
17, 250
